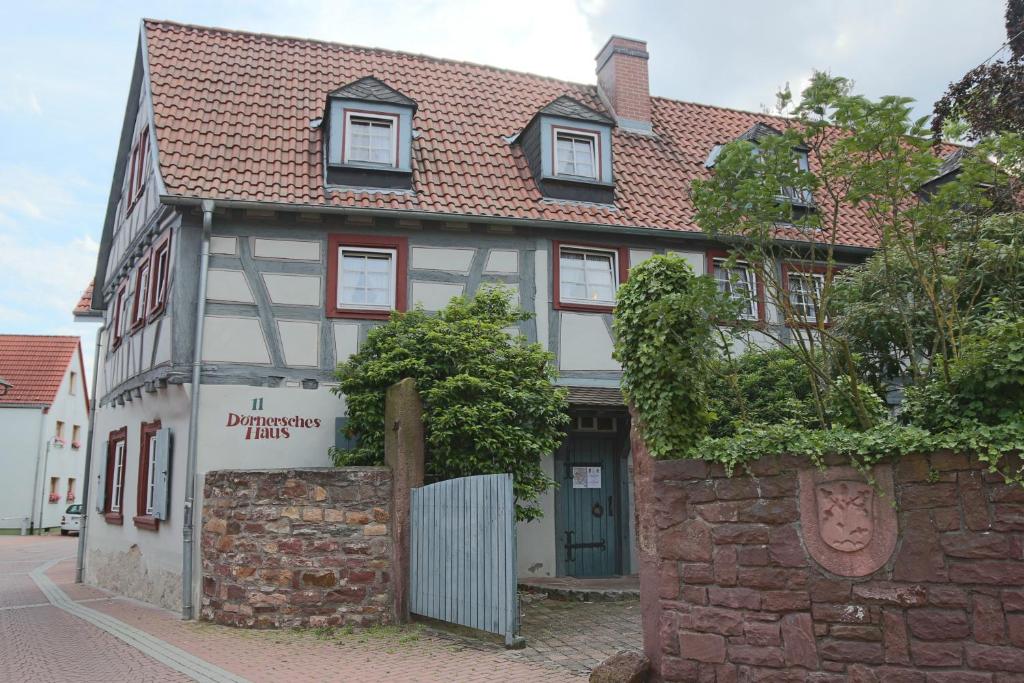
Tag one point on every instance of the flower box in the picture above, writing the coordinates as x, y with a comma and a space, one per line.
76, 444
54, 497
70, 497
58, 442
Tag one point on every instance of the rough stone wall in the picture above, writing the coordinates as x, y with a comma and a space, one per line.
731, 593
298, 547
127, 573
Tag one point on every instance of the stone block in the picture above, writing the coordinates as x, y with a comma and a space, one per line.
798, 642
757, 655
689, 541
320, 579
949, 653
745, 534
785, 601
895, 640
987, 620
622, 667
734, 598
725, 563
312, 514
334, 516
994, 657
938, 624
973, 500
906, 595
703, 647
763, 633
851, 651
375, 530
855, 632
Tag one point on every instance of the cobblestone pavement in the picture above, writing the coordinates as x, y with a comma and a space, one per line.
564, 636
56, 631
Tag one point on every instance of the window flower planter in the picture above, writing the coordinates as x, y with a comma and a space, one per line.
76, 445
58, 442
54, 497
70, 497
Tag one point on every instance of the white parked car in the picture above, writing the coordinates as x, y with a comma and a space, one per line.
71, 520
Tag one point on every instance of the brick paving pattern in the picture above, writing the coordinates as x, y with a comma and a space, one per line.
564, 636
43, 643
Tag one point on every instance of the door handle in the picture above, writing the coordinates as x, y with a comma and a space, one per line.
610, 513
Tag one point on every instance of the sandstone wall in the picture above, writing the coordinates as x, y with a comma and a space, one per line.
731, 592
298, 547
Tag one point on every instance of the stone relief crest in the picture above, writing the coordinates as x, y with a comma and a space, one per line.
848, 525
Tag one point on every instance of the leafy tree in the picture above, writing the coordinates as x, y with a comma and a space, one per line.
490, 405
989, 99
870, 159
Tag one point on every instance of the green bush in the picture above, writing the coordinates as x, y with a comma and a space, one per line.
490, 405
985, 384
759, 387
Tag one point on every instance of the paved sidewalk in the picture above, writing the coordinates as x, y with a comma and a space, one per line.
564, 636
67, 641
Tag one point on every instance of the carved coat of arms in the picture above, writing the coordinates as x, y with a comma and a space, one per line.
848, 525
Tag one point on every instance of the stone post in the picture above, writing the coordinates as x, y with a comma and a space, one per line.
647, 543
403, 453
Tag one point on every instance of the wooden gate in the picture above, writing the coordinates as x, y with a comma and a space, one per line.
462, 559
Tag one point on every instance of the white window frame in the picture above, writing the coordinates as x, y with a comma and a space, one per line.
590, 423
116, 491
158, 267
392, 120
595, 144
755, 303
814, 294
151, 474
595, 251
392, 280
140, 299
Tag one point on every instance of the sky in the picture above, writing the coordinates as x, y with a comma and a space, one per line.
65, 68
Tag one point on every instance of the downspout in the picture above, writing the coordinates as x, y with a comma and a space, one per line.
38, 482
188, 532
80, 566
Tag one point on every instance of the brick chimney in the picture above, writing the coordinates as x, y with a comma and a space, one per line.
622, 82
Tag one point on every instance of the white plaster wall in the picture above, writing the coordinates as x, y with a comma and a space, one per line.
234, 339
140, 563
434, 296
288, 250
638, 256
502, 261
584, 343
19, 435
535, 541
292, 290
67, 462
448, 259
696, 259
226, 246
228, 285
300, 341
346, 341
543, 301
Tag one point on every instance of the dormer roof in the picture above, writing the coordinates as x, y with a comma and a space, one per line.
568, 108
371, 89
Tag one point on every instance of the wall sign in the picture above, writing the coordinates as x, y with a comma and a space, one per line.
255, 427
586, 477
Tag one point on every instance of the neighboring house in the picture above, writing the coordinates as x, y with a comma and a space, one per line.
44, 420
332, 184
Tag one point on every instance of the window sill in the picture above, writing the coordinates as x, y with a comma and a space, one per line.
114, 518
360, 314
585, 308
155, 313
146, 522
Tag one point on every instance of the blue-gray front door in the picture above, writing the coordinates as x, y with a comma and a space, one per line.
589, 507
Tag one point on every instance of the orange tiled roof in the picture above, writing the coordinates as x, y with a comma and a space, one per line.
84, 306
233, 115
34, 365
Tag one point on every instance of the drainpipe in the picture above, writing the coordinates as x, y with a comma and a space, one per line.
38, 481
188, 532
87, 479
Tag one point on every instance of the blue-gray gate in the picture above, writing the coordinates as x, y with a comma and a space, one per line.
462, 559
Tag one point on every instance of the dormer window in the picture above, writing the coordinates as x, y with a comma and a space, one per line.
568, 146
371, 138
368, 136
797, 197
576, 153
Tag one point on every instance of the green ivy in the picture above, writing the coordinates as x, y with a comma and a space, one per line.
490, 404
666, 340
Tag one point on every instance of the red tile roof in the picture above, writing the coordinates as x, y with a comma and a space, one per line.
83, 309
233, 115
35, 365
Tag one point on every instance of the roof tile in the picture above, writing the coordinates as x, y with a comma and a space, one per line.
232, 113
34, 365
